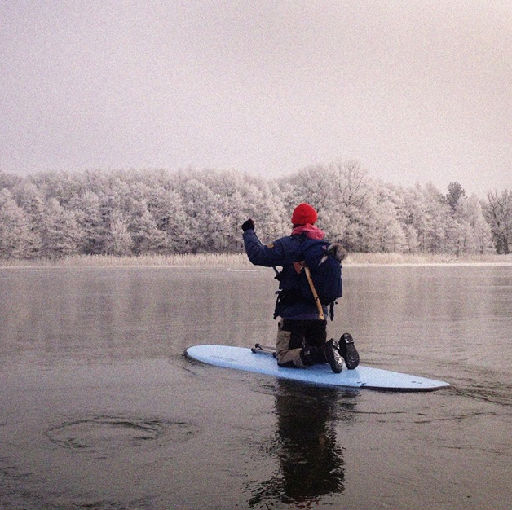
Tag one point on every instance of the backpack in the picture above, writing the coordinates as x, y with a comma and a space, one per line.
325, 272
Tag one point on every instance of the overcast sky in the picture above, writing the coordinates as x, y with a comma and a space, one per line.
417, 91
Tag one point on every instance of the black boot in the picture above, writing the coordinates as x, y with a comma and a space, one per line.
307, 357
348, 351
330, 351
317, 354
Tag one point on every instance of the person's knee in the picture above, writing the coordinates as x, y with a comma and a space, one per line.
282, 339
288, 355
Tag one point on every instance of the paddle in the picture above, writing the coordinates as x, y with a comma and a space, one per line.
318, 303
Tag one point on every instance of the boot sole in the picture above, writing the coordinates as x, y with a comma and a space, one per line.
351, 356
330, 356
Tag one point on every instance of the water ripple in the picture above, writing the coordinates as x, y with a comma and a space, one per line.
101, 433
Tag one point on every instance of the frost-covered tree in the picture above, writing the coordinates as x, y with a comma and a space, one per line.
166, 208
59, 229
203, 213
30, 199
339, 192
118, 241
467, 230
384, 232
411, 239
498, 212
146, 237
90, 223
137, 212
455, 193
277, 217
16, 238
480, 230
428, 213
9, 181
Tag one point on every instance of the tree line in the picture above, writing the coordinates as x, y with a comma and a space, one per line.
55, 214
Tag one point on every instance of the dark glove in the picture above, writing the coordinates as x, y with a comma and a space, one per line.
248, 225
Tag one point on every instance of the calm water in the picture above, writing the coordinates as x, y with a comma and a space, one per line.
100, 409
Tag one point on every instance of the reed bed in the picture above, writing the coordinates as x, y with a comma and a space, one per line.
426, 259
239, 260
173, 260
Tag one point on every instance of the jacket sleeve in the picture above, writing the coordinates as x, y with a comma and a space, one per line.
276, 254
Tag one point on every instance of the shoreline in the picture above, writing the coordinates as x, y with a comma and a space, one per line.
240, 262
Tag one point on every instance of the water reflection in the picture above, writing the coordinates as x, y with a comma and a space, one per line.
125, 312
310, 459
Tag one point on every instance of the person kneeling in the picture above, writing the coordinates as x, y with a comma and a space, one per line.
301, 338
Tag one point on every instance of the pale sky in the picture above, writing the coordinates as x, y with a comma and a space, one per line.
417, 91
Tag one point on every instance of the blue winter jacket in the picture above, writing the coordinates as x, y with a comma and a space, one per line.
283, 252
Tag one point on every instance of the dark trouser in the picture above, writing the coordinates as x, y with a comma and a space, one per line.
295, 335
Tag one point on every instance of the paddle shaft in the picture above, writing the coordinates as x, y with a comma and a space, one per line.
319, 307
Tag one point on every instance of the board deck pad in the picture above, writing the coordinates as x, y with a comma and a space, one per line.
242, 358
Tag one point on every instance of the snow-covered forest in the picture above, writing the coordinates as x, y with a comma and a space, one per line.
54, 214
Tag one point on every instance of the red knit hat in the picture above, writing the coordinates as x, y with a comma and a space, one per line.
303, 214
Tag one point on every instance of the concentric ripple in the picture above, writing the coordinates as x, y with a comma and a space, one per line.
101, 433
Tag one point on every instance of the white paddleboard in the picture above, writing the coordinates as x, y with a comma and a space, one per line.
241, 358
